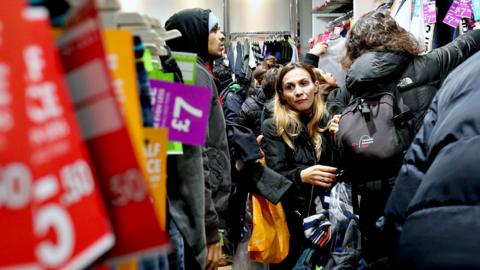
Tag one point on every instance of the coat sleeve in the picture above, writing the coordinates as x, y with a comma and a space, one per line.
311, 59
441, 61
216, 162
414, 166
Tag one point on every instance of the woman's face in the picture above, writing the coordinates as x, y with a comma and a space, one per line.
298, 90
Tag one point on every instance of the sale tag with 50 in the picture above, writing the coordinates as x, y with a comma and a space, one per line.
48, 191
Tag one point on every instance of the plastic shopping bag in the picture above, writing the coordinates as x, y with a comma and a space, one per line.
270, 236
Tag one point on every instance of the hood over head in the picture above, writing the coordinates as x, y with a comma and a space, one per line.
373, 69
194, 25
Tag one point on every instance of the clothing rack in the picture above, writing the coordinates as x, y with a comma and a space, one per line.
260, 33
257, 34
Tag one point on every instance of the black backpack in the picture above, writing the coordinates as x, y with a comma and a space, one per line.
375, 131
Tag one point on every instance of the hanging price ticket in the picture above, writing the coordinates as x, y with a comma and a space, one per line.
183, 109
429, 12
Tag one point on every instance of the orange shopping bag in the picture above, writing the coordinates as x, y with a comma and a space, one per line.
270, 236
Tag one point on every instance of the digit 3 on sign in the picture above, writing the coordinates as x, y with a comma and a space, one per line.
183, 124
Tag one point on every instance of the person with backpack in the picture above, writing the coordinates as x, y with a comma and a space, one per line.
297, 144
435, 201
389, 86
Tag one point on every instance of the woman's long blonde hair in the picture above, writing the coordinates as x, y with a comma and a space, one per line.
287, 120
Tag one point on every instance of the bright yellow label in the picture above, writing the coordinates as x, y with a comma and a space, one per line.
121, 61
156, 160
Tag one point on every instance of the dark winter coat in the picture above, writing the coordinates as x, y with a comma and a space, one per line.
290, 162
436, 198
251, 111
418, 77
203, 193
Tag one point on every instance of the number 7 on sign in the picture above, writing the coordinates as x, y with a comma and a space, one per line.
183, 125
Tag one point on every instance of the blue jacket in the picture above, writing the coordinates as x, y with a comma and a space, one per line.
436, 198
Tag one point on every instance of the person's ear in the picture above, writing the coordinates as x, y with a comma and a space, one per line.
317, 87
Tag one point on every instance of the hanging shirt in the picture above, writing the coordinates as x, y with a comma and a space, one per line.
252, 63
295, 58
239, 61
331, 60
232, 56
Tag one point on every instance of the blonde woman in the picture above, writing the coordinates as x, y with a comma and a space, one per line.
298, 144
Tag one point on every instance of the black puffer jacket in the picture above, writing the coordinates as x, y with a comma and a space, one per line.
419, 77
436, 197
251, 111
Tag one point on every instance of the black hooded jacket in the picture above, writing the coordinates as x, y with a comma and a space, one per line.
418, 77
208, 208
193, 24
436, 198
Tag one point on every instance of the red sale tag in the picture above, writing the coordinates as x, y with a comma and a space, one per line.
130, 206
183, 109
48, 191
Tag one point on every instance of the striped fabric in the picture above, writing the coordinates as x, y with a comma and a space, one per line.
257, 53
317, 228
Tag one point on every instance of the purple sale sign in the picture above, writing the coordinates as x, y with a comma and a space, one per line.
183, 109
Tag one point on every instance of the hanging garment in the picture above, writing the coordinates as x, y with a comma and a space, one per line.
247, 71
404, 15
145, 98
257, 53
417, 26
331, 60
252, 63
295, 58
231, 55
239, 61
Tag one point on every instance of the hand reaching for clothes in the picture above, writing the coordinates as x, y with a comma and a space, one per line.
319, 175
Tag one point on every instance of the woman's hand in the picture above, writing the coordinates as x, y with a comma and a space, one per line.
333, 125
319, 175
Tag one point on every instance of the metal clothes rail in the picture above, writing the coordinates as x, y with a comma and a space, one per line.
265, 33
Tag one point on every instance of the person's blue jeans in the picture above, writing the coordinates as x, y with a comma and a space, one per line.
176, 258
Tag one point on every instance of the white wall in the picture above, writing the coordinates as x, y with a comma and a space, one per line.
361, 7
259, 15
305, 17
163, 9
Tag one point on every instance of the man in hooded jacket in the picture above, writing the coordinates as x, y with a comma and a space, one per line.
196, 202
